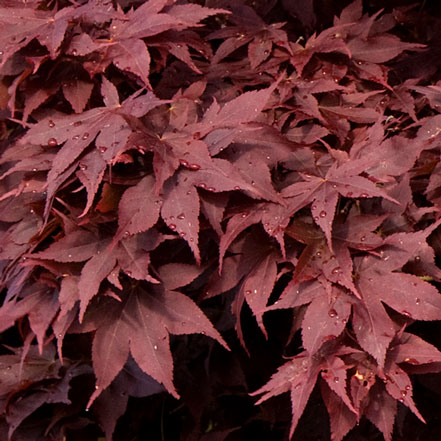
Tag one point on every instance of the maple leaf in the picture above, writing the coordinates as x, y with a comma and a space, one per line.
126, 48
135, 214
406, 293
381, 410
180, 211
324, 192
258, 286
342, 419
379, 48
93, 273
325, 320
298, 376
141, 326
248, 29
327, 41
77, 132
317, 259
21, 25
413, 350
112, 403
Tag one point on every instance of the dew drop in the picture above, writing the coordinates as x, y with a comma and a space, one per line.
297, 386
182, 234
336, 270
406, 313
194, 166
102, 149
417, 301
75, 137
364, 195
83, 167
332, 313
69, 255
172, 227
236, 187
245, 214
407, 387
322, 213
126, 234
155, 348
316, 218
248, 291
51, 123
363, 238
336, 379
313, 207
403, 392
417, 259
181, 216
85, 135
318, 254
184, 163
52, 142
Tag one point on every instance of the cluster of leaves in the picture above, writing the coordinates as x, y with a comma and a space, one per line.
161, 156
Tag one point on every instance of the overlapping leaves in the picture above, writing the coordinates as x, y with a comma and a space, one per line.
171, 167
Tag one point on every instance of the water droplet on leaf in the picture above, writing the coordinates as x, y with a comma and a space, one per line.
51, 123
172, 227
52, 142
194, 166
332, 313
323, 213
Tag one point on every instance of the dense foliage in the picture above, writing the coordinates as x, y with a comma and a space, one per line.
207, 204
